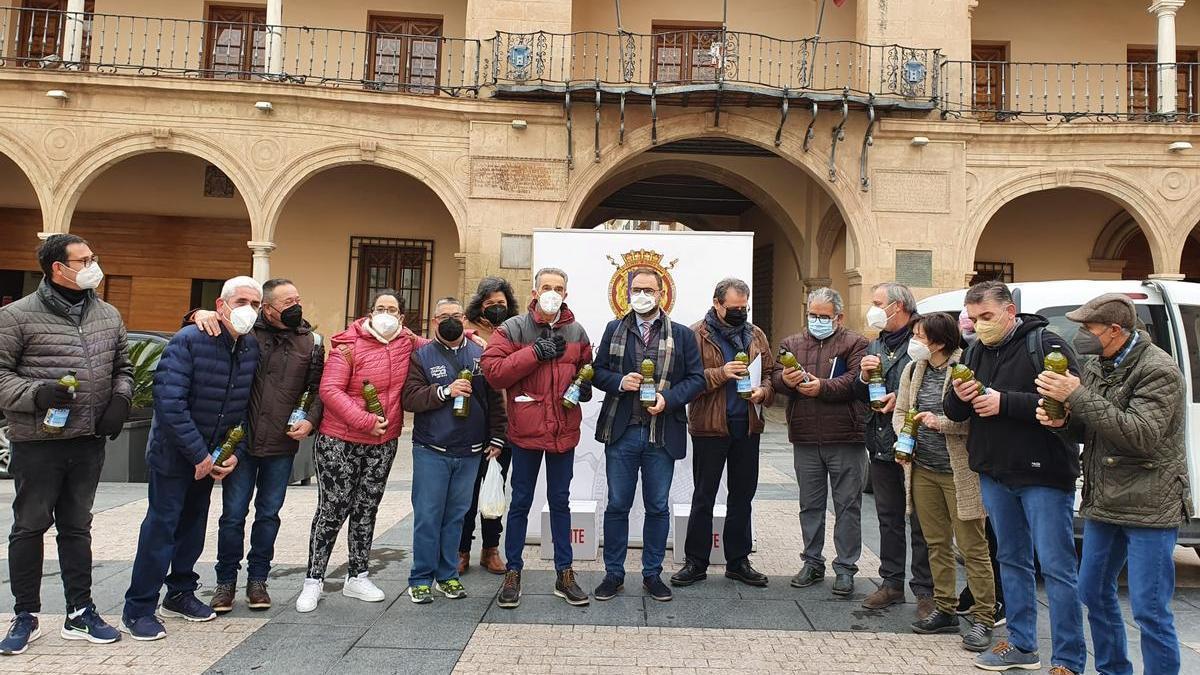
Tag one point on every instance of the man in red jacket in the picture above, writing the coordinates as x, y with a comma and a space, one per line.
534, 357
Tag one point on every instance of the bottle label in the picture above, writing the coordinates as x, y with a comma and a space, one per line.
216, 453
905, 444
647, 393
572, 394
298, 415
57, 417
743, 385
460, 403
877, 391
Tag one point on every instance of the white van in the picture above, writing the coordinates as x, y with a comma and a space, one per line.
1171, 312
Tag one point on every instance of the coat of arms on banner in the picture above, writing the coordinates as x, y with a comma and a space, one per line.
618, 285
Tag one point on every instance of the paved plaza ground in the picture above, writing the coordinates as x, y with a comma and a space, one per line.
716, 626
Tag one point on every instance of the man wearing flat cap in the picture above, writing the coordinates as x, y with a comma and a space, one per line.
1128, 411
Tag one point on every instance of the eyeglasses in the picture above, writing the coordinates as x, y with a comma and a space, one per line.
820, 317
95, 259
394, 311
444, 317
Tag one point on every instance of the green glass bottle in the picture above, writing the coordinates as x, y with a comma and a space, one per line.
744, 388
462, 402
877, 389
906, 442
961, 373
371, 396
56, 418
648, 393
571, 397
1055, 362
232, 438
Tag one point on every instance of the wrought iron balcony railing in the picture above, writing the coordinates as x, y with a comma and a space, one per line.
1001, 90
112, 43
688, 61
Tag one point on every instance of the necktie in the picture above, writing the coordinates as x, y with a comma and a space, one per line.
646, 333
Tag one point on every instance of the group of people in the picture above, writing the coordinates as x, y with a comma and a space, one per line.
991, 474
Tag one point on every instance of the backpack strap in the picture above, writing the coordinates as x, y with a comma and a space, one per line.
347, 354
1035, 345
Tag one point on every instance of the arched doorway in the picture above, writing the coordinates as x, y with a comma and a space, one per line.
354, 228
20, 222
1062, 233
728, 185
169, 228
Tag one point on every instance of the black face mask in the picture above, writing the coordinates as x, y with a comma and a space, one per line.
735, 316
292, 317
495, 314
450, 330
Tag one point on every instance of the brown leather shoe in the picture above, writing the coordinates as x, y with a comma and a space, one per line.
222, 598
925, 606
886, 596
257, 597
489, 559
464, 562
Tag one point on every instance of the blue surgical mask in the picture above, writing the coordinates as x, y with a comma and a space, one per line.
820, 328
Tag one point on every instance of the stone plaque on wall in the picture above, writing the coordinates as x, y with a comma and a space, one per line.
516, 251
914, 191
518, 178
915, 268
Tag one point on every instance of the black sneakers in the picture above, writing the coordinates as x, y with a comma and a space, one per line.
937, 622
567, 589
510, 591
743, 572
608, 589
690, 574
656, 589
978, 638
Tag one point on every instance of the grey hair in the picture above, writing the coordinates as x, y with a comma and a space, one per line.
448, 300
897, 292
548, 270
989, 290
826, 294
727, 283
231, 287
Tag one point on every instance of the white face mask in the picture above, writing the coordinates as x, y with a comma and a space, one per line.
877, 317
386, 324
643, 303
243, 319
89, 277
918, 351
549, 302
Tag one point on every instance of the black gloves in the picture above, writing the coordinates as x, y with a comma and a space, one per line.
545, 349
113, 419
52, 395
560, 346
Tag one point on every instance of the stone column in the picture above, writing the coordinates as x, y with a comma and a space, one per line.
1165, 10
1166, 277
274, 44
73, 33
262, 259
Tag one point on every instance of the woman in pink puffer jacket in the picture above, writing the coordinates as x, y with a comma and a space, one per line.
354, 449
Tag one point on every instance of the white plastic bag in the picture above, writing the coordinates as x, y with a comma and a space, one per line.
492, 500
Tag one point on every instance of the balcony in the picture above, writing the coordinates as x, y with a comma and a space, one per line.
1005, 90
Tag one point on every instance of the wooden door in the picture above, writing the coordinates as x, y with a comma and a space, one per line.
989, 78
235, 42
685, 54
404, 53
41, 29
1143, 81
404, 269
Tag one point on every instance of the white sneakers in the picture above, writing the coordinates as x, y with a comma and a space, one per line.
361, 588
310, 595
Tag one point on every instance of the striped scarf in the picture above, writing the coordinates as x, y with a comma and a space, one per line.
616, 357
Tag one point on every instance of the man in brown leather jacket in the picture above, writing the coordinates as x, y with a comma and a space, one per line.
825, 427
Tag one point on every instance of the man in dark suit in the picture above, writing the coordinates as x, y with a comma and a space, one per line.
643, 425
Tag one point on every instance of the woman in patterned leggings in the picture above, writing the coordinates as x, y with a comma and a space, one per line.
355, 448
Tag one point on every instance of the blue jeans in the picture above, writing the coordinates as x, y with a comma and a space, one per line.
1106, 548
270, 475
560, 469
622, 460
441, 494
171, 539
1037, 518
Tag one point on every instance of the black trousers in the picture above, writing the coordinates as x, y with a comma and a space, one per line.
55, 484
710, 457
888, 480
492, 527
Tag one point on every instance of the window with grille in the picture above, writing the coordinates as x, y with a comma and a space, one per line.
404, 53
235, 41
403, 265
1143, 80
686, 53
993, 271
42, 29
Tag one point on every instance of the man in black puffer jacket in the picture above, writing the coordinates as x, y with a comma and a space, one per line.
59, 328
1027, 474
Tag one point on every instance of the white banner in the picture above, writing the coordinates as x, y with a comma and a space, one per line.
597, 263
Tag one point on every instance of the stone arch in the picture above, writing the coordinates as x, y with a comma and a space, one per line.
843, 192
1117, 232
304, 167
1123, 190
826, 240
80, 174
30, 164
716, 174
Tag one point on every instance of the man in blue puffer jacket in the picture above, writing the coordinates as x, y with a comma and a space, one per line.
201, 391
